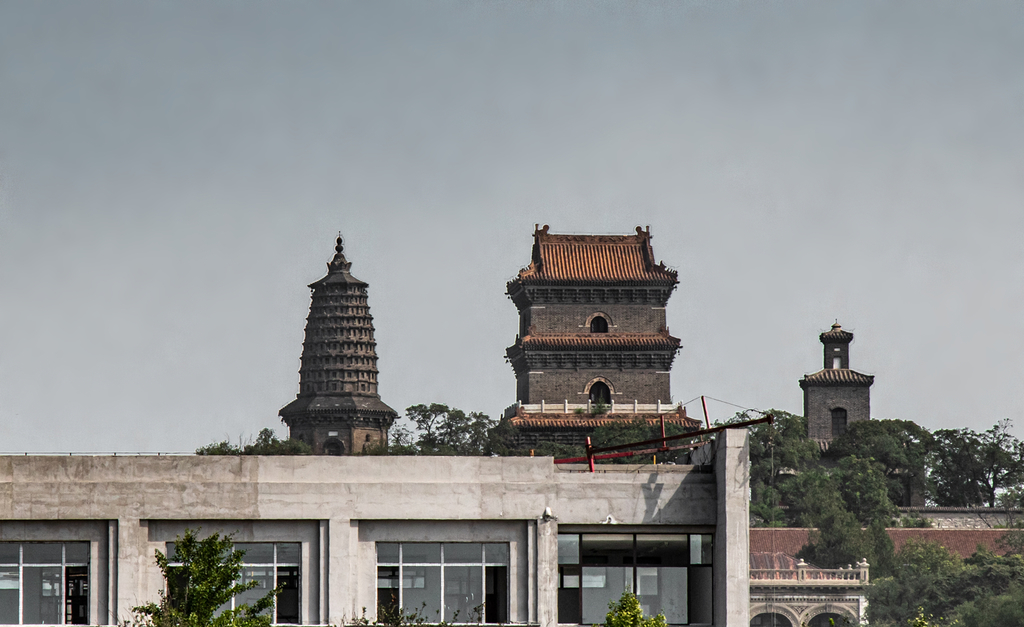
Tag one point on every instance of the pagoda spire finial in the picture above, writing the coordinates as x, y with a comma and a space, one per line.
339, 262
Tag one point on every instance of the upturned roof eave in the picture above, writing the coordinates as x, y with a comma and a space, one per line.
821, 379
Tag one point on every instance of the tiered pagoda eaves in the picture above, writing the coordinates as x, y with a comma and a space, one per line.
338, 410
593, 345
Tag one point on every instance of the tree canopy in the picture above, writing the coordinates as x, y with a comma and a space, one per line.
442, 430
899, 447
267, 443
971, 469
201, 577
928, 580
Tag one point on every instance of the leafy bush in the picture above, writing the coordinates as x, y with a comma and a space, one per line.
626, 612
267, 443
204, 577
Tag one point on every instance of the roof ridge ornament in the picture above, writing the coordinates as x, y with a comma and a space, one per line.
339, 263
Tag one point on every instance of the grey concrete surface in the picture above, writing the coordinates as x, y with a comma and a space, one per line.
339, 507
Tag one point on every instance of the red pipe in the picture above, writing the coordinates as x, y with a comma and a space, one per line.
592, 453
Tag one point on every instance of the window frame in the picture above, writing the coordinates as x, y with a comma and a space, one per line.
442, 565
64, 564
275, 565
565, 568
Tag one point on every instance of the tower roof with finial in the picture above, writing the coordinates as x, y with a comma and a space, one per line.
836, 335
338, 268
338, 370
562, 259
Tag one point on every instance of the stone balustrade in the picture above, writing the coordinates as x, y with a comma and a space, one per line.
566, 407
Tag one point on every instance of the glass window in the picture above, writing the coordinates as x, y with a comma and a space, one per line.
44, 583
669, 573
457, 582
270, 564
568, 548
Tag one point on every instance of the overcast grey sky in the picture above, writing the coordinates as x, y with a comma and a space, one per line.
173, 175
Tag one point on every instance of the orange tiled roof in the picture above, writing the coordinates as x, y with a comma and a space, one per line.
775, 561
962, 542
552, 421
573, 259
601, 342
786, 540
837, 377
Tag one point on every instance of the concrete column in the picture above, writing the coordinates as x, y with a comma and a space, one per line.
138, 577
531, 572
547, 572
345, 595
109, 616
323, 551
732, 529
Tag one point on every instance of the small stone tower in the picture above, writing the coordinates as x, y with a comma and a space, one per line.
835, 396
338, 410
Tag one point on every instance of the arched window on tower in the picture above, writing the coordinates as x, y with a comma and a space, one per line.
838, 422
599, 393
599, 325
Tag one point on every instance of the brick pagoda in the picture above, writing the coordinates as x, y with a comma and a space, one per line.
338, 410
593, 345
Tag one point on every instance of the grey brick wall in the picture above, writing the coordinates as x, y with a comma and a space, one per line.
819, 401
556, 386
573, 318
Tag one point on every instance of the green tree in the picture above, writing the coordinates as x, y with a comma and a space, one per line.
267, 443
925, 575
626, 612
836, 537
921, 574
970, 469
864, 490
778, 451
444, 430
204, 576
901, 447
1003, 610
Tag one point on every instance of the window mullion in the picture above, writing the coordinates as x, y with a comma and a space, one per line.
273, 611
21, 584
63, 585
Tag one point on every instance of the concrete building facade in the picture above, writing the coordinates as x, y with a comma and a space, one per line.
498, 540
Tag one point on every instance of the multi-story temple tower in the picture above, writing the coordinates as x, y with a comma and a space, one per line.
835, 395
338, 410
593, 343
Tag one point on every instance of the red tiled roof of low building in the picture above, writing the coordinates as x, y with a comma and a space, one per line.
775, 561
610, 259
962, 542
786, 540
